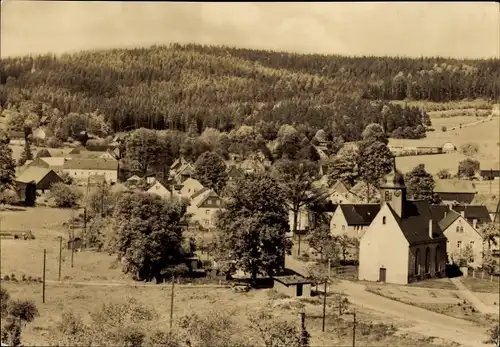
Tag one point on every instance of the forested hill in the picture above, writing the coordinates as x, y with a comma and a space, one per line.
192, 87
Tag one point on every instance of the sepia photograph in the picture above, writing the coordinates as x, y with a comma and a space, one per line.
249, 174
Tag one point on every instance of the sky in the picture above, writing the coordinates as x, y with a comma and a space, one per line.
461, 30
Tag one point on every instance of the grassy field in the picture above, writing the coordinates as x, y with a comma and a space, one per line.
434, 283
482, 285
83, 300
26, 256
485, 134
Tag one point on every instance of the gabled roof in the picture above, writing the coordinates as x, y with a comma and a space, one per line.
185, 169
322, 155
451, 216
439, 211
479, 212
91, 164
359, 214
415, 222
199, 192
134, 178
340, 187
54, 161
33, 174
210, 194
454, 186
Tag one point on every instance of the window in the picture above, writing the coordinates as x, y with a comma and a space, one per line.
206, 211
334, 226
343, 227
461, 229
472, 243
427, 260
387, 195
459, 244
218, 202
384, 219
458, 229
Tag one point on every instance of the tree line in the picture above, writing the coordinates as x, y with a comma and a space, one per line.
190, 88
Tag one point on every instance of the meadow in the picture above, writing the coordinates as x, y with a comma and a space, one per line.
485, 134
206, 301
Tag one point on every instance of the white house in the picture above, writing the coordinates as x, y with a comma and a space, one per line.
205, 204
83, 169
189, 187
460, 234
449, 147
160, 189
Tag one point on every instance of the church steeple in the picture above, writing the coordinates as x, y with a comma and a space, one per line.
393, 190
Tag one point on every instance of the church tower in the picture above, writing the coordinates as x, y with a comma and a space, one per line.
393, 190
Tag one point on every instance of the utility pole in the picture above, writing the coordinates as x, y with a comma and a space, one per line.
43, 278
60, 256
84, 223
172, 303
102, 199
329, 268
354, 330
72, 243
298, 251
324, 306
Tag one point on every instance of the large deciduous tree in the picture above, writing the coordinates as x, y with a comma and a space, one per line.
344, 166
375, 161
145, 150
296, 179
253, 225
210, 170
419, 184
375, 133
148, 234
467, 168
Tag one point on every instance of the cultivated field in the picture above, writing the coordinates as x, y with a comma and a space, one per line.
486, 135
83, 299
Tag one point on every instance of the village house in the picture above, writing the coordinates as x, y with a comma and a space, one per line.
489, 174
160, 189
83, 169
177, 164
353, 219
17, 138
53, 163
251, 166
234, 173
133, 179
339, 194
43, 178
190, 187
460, 233
404, 242
476, 215
183, 173
455, 191
204, 206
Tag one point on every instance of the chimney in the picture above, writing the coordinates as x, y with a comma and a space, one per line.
430, 228
462, 213
474, 223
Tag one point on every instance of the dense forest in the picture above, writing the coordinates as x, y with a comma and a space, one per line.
192, 87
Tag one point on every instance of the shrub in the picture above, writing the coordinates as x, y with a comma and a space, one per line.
65, 196
54, 142
6, 278
443, 129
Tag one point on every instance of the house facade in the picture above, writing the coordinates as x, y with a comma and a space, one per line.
404, 242
160, 189
17, 138
43, 178
204, 208
189, 187
460, 234
455, 191
83, 169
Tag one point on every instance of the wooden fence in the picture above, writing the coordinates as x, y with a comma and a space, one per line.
479, 274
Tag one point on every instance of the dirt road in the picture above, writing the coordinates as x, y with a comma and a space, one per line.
425, 322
